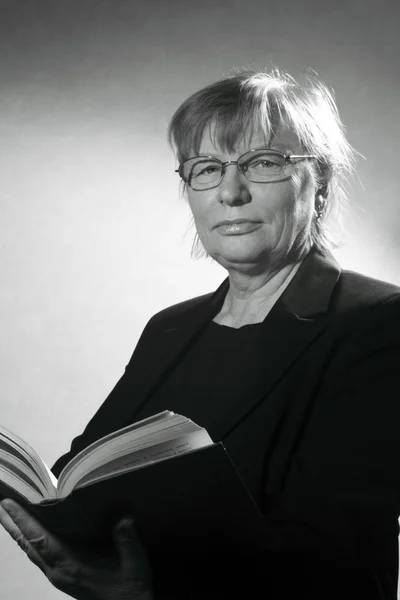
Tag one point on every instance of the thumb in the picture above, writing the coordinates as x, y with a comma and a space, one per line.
132, 553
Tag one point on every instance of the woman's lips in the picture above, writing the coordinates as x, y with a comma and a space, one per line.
238, 228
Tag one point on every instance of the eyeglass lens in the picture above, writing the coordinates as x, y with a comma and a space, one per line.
258, 166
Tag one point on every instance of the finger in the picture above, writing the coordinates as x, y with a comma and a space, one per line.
132, 553
41, 544
21, 540
22, 519
8, 523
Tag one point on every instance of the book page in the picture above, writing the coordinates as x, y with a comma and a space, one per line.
130, 440
19, 485
21, 471
12, 445
137, 459
158, 419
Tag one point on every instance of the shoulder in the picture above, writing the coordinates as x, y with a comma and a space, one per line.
179, 309
365, 310
365, 288
171, 317
175, 311
355, 292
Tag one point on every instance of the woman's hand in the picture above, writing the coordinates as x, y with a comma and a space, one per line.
74, 569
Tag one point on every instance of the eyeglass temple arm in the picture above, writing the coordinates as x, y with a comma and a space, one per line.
289, 156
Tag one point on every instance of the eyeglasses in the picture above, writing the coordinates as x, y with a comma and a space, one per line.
259, 166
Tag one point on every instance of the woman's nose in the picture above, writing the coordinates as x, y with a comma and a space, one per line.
233, 189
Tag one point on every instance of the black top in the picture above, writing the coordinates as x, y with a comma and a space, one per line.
214, 378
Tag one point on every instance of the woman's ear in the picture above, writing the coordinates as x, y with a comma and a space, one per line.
324, 176
319, 207
322, 191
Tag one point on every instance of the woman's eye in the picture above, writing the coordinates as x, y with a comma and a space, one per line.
208, 171
263, 164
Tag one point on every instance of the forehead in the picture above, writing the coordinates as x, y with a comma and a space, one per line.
283, 139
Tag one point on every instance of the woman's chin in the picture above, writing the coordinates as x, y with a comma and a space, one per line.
227, 257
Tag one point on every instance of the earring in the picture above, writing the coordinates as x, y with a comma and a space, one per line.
319, 209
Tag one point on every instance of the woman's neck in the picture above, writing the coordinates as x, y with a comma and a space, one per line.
250, 298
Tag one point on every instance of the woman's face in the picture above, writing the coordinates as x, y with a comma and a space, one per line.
281, 212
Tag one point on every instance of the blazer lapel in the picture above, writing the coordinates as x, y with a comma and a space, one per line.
294, 322
164, 344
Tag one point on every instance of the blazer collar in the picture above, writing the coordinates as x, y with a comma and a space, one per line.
295, 313
307, 295
310, 290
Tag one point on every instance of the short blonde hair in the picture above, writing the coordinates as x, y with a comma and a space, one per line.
249, 99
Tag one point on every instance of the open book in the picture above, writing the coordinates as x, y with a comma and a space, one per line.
156, 438
164, 470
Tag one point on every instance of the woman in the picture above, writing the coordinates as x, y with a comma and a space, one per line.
292, 363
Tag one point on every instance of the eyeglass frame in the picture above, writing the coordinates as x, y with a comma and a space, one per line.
286, 157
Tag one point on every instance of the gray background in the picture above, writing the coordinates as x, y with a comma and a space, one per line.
92, 229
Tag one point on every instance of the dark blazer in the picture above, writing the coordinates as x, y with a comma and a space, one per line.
320, 448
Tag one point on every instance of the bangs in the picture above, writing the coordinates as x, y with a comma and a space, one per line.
230, 115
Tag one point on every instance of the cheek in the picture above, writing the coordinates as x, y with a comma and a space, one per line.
279, 204
303, 193
289, 210
201, 218
200, 207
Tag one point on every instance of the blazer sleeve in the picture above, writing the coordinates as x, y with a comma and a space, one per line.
340, 502
111, 414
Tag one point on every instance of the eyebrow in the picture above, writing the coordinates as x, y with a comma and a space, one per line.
284, 150
209, 155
